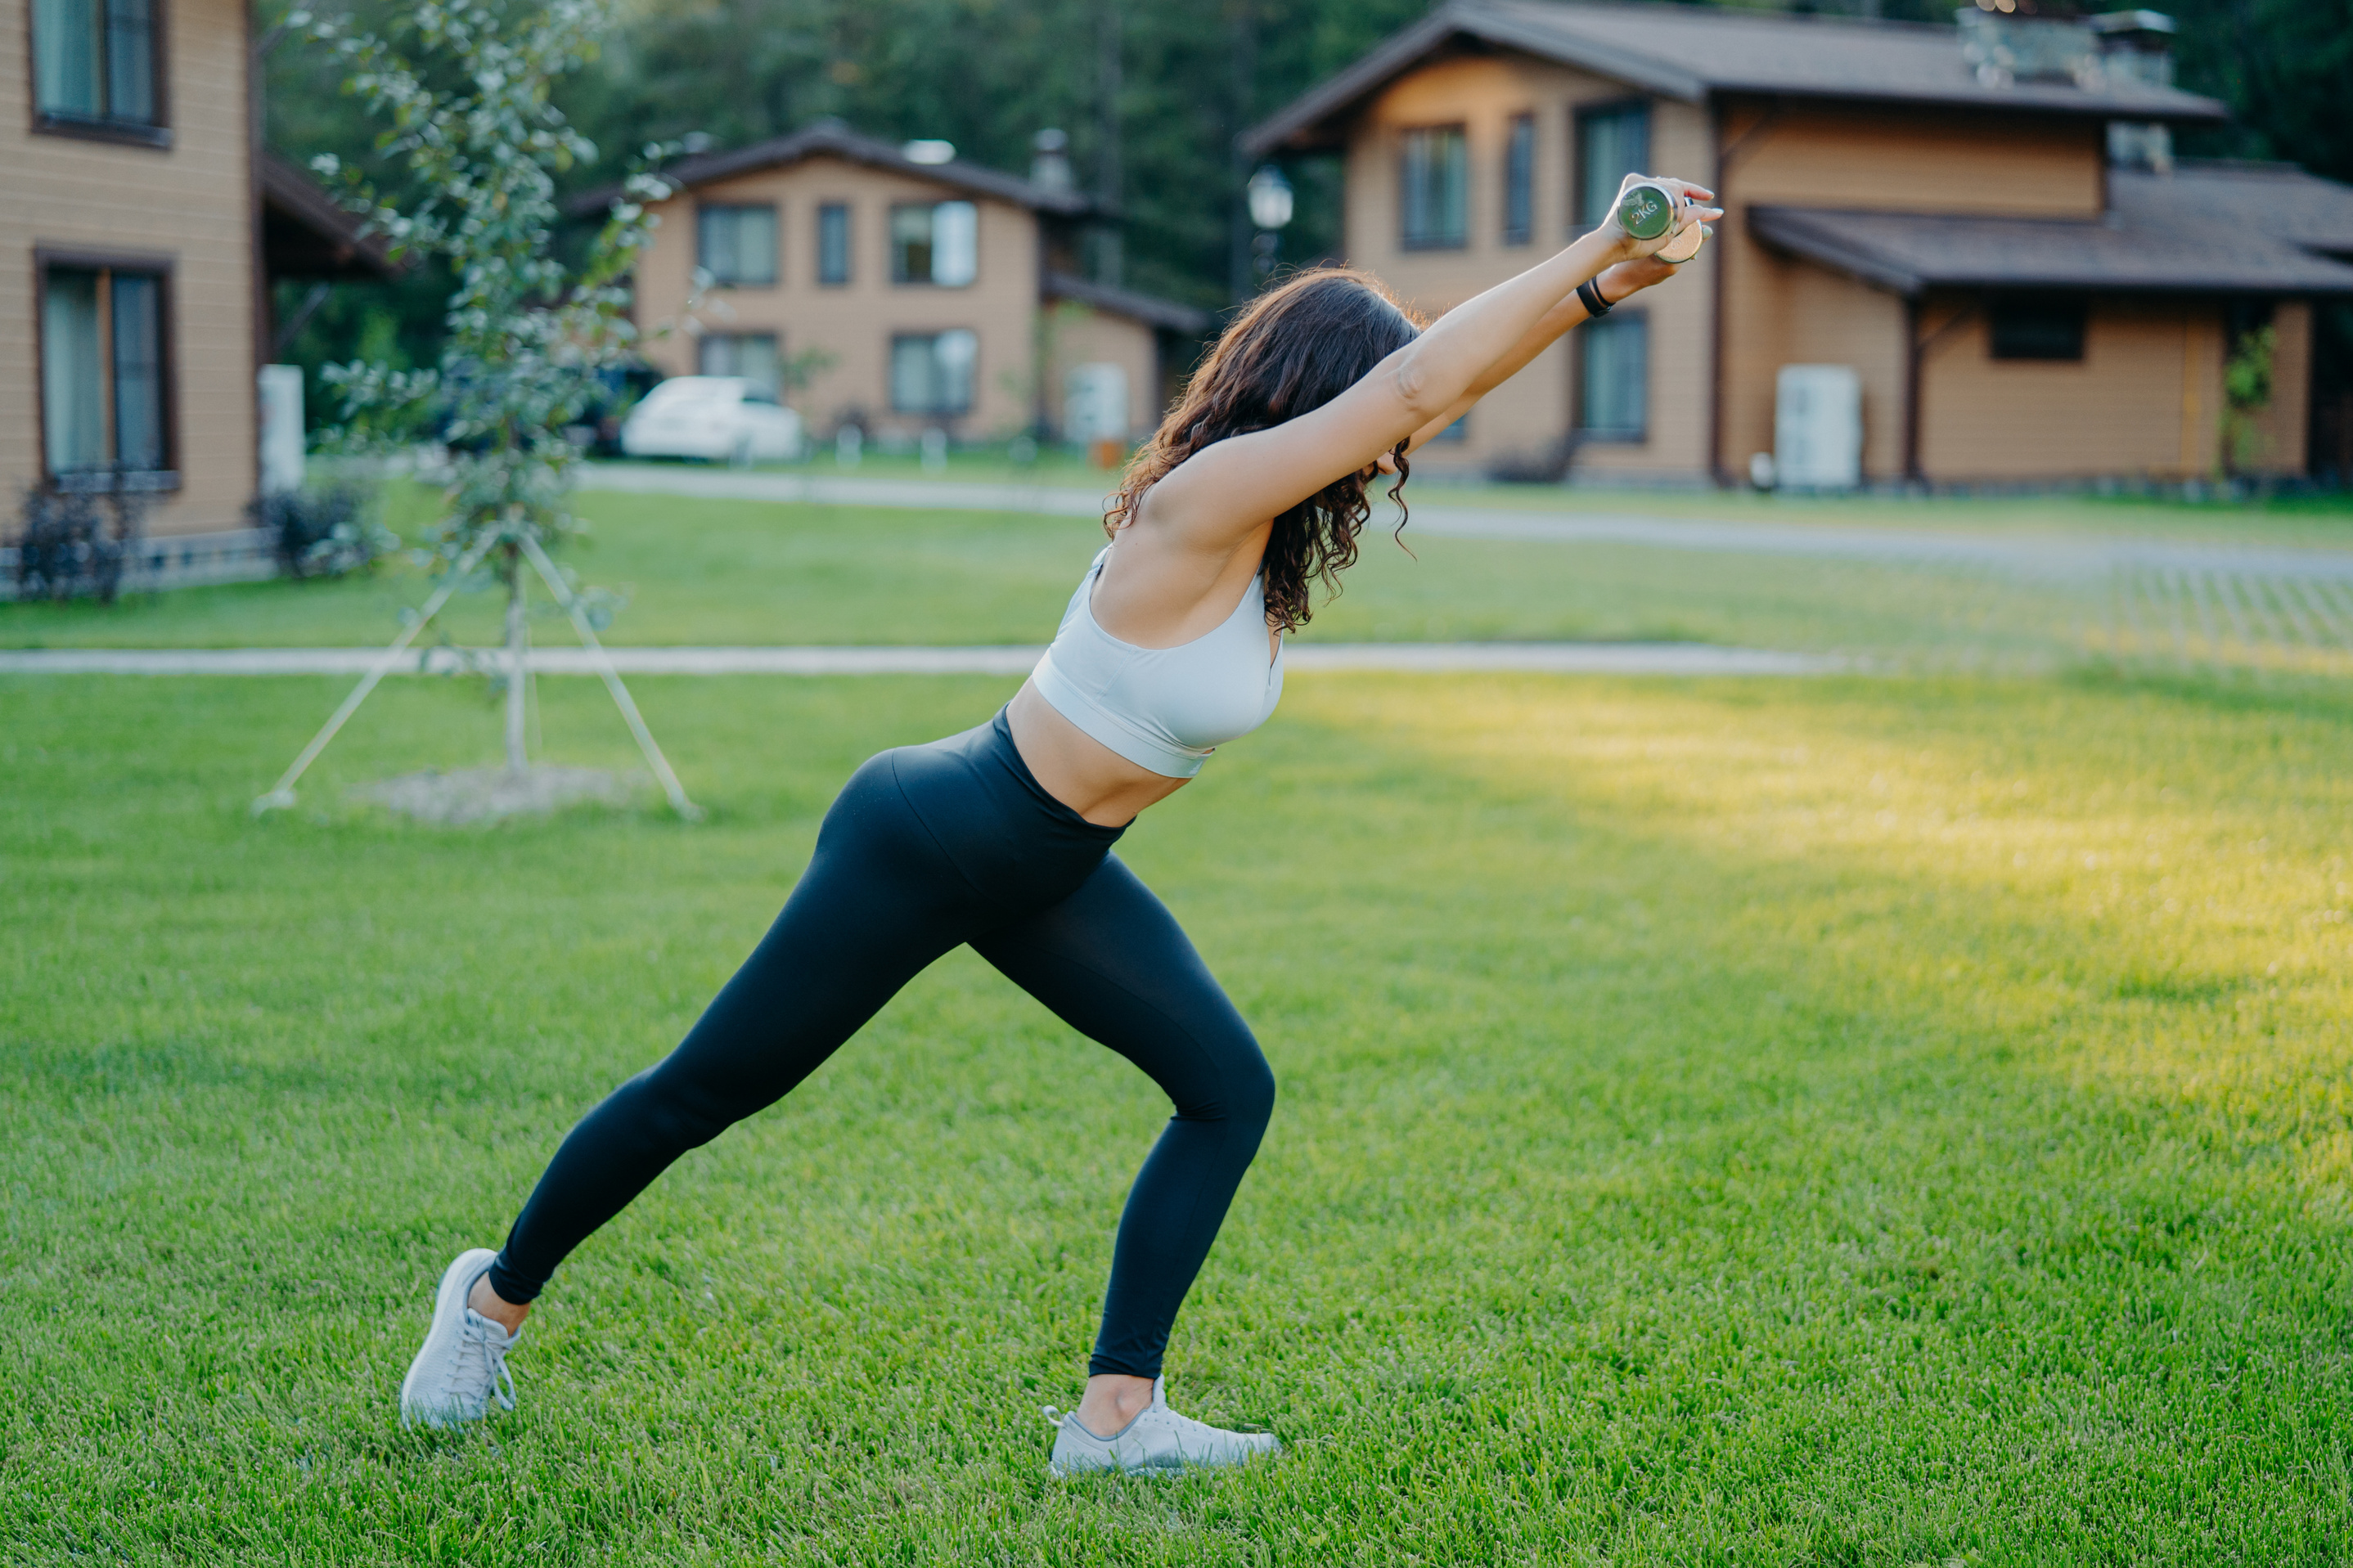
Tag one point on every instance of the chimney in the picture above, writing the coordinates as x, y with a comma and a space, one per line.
2136, 47
1050, 161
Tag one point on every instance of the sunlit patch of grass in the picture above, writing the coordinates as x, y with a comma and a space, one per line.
2171, 869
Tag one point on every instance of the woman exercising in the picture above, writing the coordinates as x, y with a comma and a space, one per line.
1253, 488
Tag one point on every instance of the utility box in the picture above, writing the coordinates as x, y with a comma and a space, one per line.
282, 428
1095, 405
1818, 428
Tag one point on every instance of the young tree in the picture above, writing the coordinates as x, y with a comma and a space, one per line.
462, 89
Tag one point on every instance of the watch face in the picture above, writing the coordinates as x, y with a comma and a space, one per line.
1646, 211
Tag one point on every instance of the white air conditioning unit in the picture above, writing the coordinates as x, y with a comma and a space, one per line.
1094, 403
1818, 428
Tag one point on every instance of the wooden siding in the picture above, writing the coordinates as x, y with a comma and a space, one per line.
2146, 399
1531, 412
1824, 318
855, 321
1074, 334
1780, 311
191, 203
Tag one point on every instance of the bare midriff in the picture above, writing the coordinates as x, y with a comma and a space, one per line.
1078, 770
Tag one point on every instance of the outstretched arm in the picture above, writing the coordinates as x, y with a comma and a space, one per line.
1616, 285
1221, 494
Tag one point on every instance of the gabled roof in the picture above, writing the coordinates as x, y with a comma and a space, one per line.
2162, 233
306, 233
1694, 53
831, 138
1149, 309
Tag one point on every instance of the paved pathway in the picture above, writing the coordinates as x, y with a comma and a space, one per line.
1558, 658
2071, 557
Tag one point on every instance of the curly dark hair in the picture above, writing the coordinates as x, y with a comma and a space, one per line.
1297, 347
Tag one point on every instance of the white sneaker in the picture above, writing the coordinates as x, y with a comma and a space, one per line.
459, 1371
1158, 1439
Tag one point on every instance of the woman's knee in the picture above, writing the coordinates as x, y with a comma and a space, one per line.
673, 1111
1247, 1090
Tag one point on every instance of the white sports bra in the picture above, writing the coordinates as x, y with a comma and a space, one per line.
1164, 708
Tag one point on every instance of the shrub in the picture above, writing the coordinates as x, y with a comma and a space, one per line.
75, 541
324, 532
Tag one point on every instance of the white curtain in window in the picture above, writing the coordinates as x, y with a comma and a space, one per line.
73, 382
1617, 143
738, 245
1519, 180
138, 370
66, 53
833, 243
130, 60
1617, 375
956, 353
751, 355
933, 374
955, 244
914, 378
1436, 193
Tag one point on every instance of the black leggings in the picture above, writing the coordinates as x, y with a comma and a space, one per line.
925, 848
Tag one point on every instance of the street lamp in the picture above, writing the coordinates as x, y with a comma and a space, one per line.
1269, 197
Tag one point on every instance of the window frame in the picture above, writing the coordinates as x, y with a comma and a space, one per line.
1579, 193
775, 340
2078, 306
849, 246
1519, 135
1462, 239
1620, 319
932, 336
775, 244
155, 134
929, 279
146, 264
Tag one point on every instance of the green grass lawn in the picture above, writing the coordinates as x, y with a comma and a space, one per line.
1872, 1122
718, 571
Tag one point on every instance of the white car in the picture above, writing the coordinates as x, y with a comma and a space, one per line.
722, 418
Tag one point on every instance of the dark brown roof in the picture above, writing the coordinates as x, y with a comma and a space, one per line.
1148, 309
305, 233
832, 138
1695, 53
2160, 235
2275, 199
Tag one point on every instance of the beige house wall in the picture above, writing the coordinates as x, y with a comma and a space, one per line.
1076, 335
1781, 311
853, 322
191, 205
1531, 413
2146, 398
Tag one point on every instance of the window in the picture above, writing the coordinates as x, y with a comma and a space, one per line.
1520, 179
2028, 327
737, 245
103, 369
94, 66
1433, 198
1614, 386
1612, 143
751, 355
936, 242
833, 243
932, 372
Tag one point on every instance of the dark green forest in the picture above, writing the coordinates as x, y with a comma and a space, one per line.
1151, 96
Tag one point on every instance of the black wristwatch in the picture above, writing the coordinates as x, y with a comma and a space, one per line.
1589, 292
